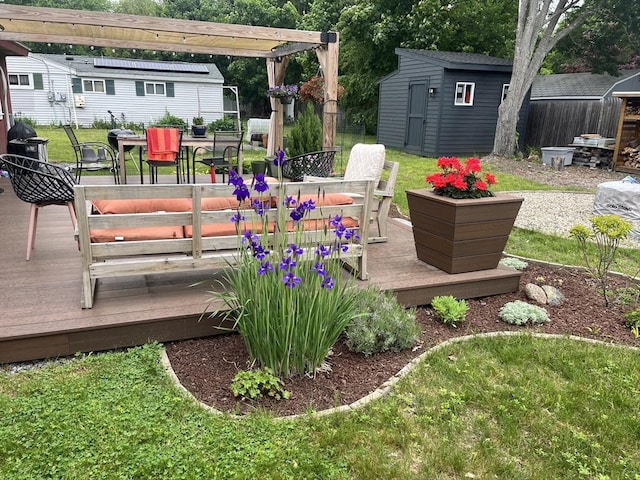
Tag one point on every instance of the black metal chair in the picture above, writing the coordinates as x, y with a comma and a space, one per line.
225, 153
316, 164
164, 149
92, 155
40, 184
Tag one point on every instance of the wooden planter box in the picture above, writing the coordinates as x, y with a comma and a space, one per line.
461, 235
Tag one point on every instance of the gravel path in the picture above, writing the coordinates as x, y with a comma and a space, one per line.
556, 212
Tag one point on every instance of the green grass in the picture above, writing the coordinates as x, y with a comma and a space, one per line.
515, 407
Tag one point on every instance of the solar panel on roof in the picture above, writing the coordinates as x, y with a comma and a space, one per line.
149, 65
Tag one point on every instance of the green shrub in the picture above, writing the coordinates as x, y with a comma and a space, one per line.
306, 134
169, 120
450, 310
632, 318
519, 313
606, 231
255, 384
514, 263
29, 121
222, 124
382, 325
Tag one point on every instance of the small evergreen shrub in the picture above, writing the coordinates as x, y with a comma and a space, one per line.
254, 384
514, 263
449, 310
306, 134
383, 324
519, 313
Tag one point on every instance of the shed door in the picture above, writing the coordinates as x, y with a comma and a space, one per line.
416, 116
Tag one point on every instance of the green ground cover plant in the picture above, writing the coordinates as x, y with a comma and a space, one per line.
450, 310
467, 408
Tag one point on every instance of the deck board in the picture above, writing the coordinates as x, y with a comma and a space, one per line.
40, 314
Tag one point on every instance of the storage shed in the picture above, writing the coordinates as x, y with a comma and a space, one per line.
444, 103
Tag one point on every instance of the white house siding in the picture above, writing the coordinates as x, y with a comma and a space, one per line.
192, 96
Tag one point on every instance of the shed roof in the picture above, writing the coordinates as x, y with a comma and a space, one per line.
83, 64
459, 60
584, 86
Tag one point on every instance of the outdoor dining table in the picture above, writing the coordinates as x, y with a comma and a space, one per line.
189, 141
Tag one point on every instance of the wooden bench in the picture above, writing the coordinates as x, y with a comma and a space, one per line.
176, 228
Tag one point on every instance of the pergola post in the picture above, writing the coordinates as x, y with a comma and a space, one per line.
328, 58
276, 70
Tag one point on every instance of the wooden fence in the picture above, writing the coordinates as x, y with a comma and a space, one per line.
554, 123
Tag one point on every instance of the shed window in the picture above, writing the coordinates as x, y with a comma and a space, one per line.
95, 86
464, 93
505, 89
155, 88
20, 80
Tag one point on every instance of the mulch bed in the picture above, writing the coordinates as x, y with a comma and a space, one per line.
207, 366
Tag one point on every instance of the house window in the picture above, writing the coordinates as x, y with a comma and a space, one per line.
22, 80
95, 86
464, 93
154, 88
505, 89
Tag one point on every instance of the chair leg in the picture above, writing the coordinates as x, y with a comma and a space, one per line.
72, 213
33, 223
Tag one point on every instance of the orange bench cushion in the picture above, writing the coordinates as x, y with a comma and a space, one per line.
103, 235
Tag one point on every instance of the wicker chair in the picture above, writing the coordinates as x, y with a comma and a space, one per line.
317, 164
40, 184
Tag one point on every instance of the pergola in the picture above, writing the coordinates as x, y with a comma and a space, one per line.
275, 45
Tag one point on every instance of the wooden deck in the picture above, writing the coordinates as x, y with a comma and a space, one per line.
40, 314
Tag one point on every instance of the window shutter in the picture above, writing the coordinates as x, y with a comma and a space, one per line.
139, 88
170, 90
110, 87
76, 85
37, 81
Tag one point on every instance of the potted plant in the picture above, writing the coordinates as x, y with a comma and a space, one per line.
285, 93
198, 128
313, 90
460, 225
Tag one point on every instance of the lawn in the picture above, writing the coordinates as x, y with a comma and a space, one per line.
507, 408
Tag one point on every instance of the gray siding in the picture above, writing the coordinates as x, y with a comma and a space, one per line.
448, 129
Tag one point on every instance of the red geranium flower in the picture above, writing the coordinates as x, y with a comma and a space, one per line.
461, 180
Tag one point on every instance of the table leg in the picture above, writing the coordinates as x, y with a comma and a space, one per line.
122, 162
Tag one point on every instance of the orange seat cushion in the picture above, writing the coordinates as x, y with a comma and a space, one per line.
143, 205
103, 235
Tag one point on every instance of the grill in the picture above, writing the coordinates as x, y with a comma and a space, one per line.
112, 138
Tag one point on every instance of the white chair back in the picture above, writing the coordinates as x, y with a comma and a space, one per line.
366, 162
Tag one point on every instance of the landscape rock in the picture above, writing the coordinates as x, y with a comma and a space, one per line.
555, 297
535, 293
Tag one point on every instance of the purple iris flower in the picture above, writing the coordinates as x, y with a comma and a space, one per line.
289, 201
327, 282
279, 159
241, 192
323, 251
295, 250
237, 218
261, 185
287, 263
319, 268
290, 280
265, 267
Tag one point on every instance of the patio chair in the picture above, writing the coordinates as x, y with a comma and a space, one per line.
164, 148
40, 184
367, 162
92, 155
316, 164
225, 154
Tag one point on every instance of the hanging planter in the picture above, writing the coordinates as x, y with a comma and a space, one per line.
285, 93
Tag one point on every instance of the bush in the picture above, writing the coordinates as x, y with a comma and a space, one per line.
632, 318
519, 313
255, 384
222, 124
169, 120
306, 134
450, 310
382, 324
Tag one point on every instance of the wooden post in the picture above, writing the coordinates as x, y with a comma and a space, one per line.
328, 58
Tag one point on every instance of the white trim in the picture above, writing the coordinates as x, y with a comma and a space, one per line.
465, 89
